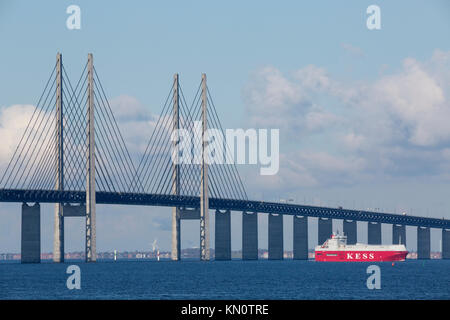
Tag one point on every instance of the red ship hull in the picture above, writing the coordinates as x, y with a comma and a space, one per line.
360, 256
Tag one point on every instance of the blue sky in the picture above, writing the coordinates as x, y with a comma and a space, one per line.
317, 58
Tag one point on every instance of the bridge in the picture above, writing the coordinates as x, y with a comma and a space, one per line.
73, 154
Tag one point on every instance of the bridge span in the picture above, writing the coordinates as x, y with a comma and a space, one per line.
189, 210
73, 154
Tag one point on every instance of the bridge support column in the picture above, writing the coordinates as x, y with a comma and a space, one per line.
31, 234
176, 236
373, 233
91, 251
350, 230
325, 229
445, 244
398, 234
275, 236
249, 236
204, 198
423, 243
300, 244
223, 235
58, 232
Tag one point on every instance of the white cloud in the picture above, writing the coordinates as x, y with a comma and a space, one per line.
396, 125
312, 77
278, 91
353, 141
352, 50
136, 123
13, 121
415, 98
127, 108
318, 119
292, 174
276, 101
326, 163
31, 149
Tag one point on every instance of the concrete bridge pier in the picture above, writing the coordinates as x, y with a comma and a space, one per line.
398, 234
325, 229
374, 233
223, 235
445, 244
350, 231
58, 234
300, 238
275, 236
249, 236
31, 233
176, 234
423, 243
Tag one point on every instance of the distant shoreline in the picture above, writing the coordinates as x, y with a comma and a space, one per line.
191, 253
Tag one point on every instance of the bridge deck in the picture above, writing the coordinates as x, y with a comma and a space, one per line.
52, 196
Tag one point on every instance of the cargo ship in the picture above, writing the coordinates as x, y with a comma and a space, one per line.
337, 249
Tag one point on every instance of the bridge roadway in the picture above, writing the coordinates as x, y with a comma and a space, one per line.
53, 196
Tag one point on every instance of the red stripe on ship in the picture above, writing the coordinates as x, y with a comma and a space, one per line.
360, 255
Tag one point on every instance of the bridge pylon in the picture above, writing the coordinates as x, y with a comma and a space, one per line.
58, 235
204, 203
91, 252
176, 237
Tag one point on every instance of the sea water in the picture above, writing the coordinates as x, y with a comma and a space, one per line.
237, 279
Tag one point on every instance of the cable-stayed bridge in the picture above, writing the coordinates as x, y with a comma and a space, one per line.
73, 154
